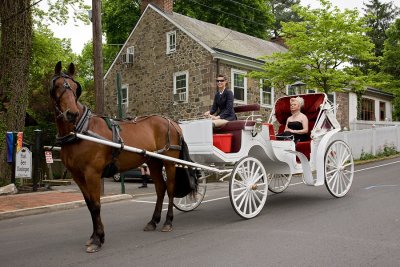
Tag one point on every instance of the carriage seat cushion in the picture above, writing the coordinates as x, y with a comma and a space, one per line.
235, 128
305, 148
247, 108
234, 125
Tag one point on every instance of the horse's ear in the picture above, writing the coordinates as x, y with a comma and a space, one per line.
57, 69
71, 69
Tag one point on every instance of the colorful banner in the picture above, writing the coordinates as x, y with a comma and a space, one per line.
10, 146
20, 139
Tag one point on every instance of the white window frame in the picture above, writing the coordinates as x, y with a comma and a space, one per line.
233, 86
186, 87
272, 93
171, 42
124, 100
130, 51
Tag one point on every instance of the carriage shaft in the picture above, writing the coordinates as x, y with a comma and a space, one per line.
148, 153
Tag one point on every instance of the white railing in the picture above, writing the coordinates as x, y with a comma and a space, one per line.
372, 140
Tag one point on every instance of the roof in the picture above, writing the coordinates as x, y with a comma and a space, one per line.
225, 41
222, 43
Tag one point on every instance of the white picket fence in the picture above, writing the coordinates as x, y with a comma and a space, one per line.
372, 140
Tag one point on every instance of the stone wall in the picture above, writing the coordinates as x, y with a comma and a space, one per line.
150, 76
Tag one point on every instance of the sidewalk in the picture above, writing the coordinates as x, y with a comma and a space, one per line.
60, 198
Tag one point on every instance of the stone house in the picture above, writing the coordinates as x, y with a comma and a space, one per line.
169, 64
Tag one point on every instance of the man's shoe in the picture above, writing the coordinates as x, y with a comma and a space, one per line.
143, 186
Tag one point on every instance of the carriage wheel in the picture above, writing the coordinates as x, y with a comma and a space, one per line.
190, 202
277, 183
248, 187
339, 168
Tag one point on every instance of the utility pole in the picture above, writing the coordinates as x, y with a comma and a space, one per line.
98, 62
98, 56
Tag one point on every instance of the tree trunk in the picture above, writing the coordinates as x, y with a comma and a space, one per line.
15, 54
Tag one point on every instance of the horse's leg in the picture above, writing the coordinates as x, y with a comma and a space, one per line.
90, 187
170, 170
160, 186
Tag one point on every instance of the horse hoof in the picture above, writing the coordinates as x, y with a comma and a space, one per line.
149, 227
89, 242
93, 248
166, 228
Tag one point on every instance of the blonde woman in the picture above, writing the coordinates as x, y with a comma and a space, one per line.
297, 124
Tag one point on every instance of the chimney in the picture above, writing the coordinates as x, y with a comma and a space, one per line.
165, 5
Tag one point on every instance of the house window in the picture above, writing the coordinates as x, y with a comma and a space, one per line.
266, 93
239, 84
171, 42
367, 109
382, 111
181, 86
124, 97
130, 51
128, 57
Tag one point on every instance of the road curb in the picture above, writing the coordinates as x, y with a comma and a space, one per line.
60, 206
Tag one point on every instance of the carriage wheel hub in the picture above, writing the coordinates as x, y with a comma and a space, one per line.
254, 187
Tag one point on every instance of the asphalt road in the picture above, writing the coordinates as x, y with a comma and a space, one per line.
304, 226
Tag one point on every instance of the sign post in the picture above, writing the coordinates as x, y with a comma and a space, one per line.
23, 164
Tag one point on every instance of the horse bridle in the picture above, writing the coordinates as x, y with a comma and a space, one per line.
66, 86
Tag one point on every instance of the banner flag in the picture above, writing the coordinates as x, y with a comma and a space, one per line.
10, 144
20, 139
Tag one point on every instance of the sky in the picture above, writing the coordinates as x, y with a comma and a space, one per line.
81, 34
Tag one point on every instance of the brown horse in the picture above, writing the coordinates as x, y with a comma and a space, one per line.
88, 161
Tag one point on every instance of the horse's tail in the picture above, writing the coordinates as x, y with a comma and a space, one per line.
185, 178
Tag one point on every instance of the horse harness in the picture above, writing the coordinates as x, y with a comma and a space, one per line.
83, 123
66, 86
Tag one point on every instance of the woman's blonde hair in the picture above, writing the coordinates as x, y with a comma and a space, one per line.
299, 99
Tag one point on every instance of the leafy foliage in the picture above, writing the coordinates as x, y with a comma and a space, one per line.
282, 11
119, 18
252, 17
378, 17
321, 47
391, 64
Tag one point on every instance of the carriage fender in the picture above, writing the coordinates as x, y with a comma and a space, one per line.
271, 164
320, 162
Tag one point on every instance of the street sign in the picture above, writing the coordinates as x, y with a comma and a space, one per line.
23, 164
49, 156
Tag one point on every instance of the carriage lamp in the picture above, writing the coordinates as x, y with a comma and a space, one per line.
298, 87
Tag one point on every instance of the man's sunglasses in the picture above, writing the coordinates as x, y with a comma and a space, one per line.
220, 81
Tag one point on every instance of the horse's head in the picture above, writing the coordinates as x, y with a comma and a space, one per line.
65, 92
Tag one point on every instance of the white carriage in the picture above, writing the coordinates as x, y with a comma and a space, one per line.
247, 151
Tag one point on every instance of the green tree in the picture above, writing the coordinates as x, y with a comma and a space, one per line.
282, 11
118, 19
391, 63
321, 47
379, 16
252, 17
16, 27
46, 51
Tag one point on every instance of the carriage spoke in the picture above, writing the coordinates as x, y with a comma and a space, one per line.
247, 187
339, 168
